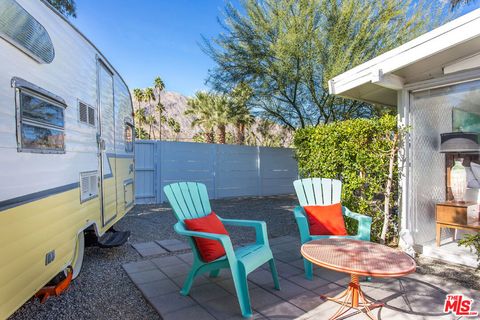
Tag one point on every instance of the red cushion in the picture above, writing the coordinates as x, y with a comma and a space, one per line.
209, 249
326, 220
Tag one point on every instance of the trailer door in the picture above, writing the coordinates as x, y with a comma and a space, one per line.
106, 143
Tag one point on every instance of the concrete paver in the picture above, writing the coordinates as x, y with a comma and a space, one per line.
412, 297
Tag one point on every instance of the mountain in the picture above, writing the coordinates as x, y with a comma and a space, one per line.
263, 133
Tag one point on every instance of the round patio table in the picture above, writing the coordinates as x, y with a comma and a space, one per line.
357, 258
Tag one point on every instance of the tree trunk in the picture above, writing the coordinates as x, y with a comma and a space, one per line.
221, 134
388, 190
209, 137
159, 119
240, 134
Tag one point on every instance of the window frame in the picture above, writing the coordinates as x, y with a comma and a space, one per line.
21, 46
24, 87
128, 124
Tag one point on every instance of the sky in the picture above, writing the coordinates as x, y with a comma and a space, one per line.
143, 39
149, 38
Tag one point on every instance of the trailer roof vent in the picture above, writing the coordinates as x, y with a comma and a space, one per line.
86, 113
88, 185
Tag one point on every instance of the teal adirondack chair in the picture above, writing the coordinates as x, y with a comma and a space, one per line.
322, 191
190, 200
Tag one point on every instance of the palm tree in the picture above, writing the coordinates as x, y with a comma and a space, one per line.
242, 119
199, 106
141, 134
149, 96
140, 116
174, 126
159, 87
221, 113
240, 112
151, 121
140, 119
138, 96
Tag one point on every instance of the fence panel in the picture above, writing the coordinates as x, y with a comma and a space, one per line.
236, 171
227, 170
145, 172
278, 170
187, 161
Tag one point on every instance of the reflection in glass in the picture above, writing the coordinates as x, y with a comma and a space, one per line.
464, 121
34, 137
20, 28
40, 110
128, 138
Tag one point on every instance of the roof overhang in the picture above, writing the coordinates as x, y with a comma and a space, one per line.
450, 48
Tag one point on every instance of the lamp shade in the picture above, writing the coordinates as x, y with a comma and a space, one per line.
460, 142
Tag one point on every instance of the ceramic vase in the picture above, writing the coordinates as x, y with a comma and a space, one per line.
458, 180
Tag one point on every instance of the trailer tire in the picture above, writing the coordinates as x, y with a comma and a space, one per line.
78, 255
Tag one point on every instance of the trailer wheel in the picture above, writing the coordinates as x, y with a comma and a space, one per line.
78, 256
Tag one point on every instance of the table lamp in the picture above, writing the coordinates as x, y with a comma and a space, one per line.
457, 143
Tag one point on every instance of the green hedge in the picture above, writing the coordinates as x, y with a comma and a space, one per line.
356, 152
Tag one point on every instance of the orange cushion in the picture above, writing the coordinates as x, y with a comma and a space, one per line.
326, 220
209, 249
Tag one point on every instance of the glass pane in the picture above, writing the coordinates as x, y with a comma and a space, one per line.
128, 138
34, 137
465, 121
433, 112
40, 110
18, 25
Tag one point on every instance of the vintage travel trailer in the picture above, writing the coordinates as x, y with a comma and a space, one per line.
434, 82
66, 149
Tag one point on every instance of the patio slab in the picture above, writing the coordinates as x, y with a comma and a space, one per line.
160, 279
173, 245
150, 248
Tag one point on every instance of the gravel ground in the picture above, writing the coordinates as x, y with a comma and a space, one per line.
104, 291
461, 275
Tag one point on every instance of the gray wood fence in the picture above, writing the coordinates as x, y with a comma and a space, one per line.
227, 170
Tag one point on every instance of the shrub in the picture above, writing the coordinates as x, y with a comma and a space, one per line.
357, 152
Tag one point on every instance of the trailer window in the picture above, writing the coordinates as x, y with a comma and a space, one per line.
41, 123
19, 28
128, 137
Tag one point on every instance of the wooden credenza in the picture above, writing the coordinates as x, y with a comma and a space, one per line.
456, 215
